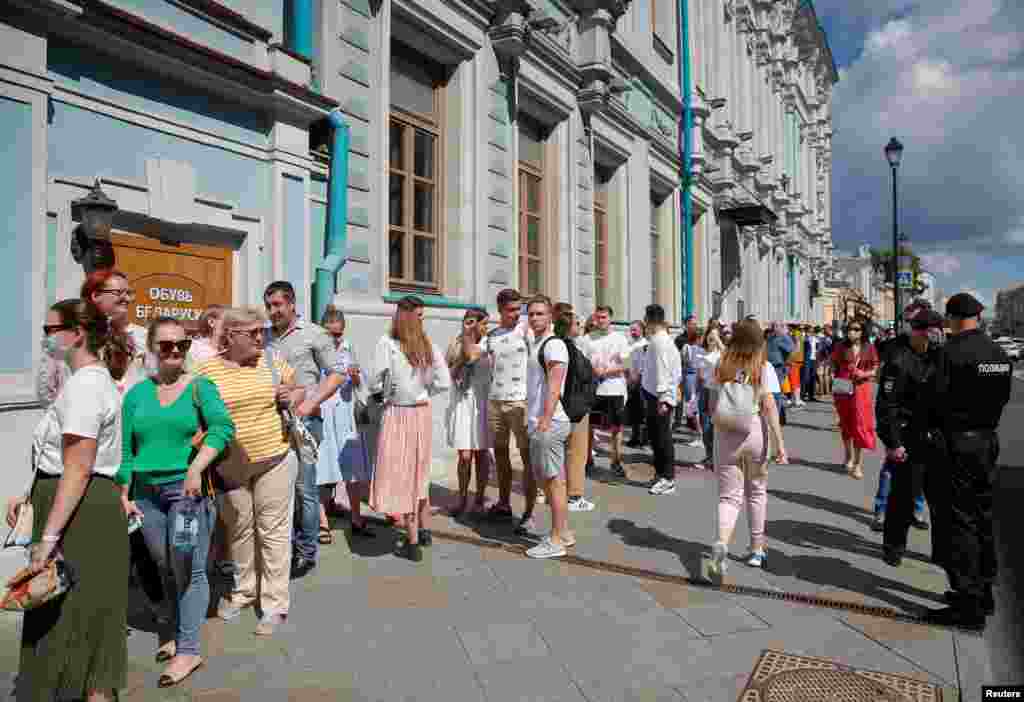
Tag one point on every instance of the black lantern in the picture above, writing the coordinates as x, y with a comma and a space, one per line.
90, 244
894, 152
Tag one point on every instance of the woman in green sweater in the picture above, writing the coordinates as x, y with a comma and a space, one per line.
160, 416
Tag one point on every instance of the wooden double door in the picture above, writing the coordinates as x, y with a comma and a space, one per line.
175, 281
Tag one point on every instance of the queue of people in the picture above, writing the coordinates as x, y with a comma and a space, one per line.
196, 436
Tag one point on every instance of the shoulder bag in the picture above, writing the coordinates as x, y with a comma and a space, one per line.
736, 406
302, 441
370, 412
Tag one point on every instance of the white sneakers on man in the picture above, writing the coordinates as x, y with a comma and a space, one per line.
663, 487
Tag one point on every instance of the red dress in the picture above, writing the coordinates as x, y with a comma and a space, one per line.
856, 412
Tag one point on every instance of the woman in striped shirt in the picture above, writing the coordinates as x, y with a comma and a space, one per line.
258, 469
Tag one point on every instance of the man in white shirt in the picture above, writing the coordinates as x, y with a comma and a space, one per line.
506, 410
607, 352
662, 373
548, 424
635, 398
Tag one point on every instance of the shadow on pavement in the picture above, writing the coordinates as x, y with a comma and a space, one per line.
816, 537
819, 465
812, 427
690, 553
825, 504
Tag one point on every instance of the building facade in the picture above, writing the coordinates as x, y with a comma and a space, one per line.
1009, 312
763, 78
478, 145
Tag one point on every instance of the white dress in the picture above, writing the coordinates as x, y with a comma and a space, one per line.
466, 419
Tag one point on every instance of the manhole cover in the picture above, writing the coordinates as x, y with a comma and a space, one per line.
786, 677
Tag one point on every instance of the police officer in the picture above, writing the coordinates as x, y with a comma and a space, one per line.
978, 378
909, 424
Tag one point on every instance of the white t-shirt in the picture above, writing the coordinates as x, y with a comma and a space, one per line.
769, 381
88, 405
608, 351
708, 362
537, 381
507, 349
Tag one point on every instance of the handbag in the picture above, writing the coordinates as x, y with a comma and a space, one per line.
21, 534
198, 438
302, 440
842, 386
26, 591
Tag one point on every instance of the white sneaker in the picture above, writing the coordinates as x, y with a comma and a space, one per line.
757, 559
663, 487
696, 443
580, 504
718, 564
546, 549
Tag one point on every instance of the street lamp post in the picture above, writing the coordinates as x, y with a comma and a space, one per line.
894, 154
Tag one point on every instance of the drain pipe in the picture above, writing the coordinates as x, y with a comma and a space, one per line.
298, 27
325, 285
687, 127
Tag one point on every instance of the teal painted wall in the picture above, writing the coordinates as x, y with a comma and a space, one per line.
192, 26
107, 78
17, 277
293, 237
80, 144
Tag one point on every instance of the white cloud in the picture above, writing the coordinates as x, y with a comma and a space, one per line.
940, 263
945, 78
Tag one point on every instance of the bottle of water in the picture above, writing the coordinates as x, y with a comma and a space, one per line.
186, 526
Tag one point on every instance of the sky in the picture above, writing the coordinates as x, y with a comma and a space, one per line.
946, 78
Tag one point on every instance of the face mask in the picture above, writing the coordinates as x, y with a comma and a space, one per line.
54, 347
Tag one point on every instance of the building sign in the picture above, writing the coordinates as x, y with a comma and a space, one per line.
905, 279
167, 295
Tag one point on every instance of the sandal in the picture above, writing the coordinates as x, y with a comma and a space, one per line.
326, 536
166, 652
169, 680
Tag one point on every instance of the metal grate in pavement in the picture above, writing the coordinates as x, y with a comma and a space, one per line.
787, 677
747, 590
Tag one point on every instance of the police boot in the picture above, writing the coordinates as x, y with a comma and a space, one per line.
965, 614
988, 603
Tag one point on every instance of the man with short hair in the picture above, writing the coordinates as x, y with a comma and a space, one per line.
319, 370
508, 347
662, 372
549, 426
809, 382
688, 344
635, 399
607, 352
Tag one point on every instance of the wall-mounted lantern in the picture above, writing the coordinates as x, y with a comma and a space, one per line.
90, 243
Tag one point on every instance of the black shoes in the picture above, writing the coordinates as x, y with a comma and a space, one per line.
919, 523
892, 556
988, 603
301, 566
411, 552
426, 537
958, 616
878, 523
637, 440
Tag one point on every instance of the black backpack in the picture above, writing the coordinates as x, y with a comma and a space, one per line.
580, 387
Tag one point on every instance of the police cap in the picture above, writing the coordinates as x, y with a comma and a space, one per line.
926, 319
963, 305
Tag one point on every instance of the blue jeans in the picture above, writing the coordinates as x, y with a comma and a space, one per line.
184, 574
882, 496
780, 399
307, 501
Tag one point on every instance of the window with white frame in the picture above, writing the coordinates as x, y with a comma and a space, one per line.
532, 215
601, 180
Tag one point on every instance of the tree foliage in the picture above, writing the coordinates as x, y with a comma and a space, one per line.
882, 263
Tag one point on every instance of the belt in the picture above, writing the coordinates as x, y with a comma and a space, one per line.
40, 475
974, 433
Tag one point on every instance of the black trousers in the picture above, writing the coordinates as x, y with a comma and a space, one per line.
971, 561
636, 412
659, 429
925, 457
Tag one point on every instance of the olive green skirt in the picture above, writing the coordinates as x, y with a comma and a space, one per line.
77, 642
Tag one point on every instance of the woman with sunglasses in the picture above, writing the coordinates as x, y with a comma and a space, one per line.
74, 647
467, 427
854, 365
162, 471
54, 370
111, 293
258, 470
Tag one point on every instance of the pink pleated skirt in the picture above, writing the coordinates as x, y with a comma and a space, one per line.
402, 474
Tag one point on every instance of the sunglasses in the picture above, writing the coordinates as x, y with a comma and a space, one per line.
254, 334
54, 328
118, 293
168, 347
855, 329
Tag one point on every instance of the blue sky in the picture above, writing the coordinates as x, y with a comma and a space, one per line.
946, 77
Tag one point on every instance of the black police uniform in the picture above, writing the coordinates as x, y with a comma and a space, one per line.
978, 379
907, 416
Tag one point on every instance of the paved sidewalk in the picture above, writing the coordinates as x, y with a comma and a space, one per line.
473, 623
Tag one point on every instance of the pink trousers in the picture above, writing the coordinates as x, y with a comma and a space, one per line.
733, 454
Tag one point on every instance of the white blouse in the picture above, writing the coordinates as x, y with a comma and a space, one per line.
402, 384
89, 405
